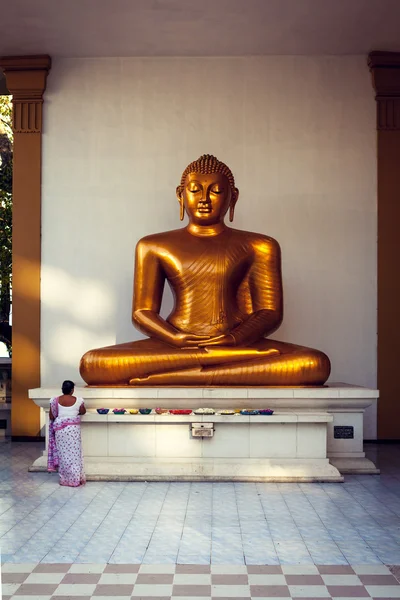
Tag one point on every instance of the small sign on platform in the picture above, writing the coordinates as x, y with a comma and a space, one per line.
202, 429
343, 432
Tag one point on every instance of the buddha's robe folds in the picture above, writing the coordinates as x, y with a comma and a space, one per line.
228, 284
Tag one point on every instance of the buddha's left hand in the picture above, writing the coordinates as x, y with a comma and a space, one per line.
219, 340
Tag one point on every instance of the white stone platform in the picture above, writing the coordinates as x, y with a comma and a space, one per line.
297, 443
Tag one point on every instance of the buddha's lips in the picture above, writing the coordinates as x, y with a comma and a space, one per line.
205, 207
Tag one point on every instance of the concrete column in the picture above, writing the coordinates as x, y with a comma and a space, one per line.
385, 69
26, 80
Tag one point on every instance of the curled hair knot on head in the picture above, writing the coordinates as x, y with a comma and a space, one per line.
207, 164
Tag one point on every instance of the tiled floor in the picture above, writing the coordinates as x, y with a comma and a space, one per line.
58, 581
198, 540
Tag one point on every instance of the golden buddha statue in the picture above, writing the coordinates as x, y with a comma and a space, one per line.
228, 298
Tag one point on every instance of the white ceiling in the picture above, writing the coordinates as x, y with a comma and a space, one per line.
77, 28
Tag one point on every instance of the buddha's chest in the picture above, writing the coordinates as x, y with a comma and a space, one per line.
214, 267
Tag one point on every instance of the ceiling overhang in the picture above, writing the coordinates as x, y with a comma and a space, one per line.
106, 28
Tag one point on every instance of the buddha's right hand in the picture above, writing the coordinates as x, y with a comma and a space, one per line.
187, 340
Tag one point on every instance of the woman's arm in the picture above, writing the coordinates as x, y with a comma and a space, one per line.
51, 415
82, 408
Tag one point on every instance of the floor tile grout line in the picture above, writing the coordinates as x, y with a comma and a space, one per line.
14, 504
316, 510
79, 517
288, 507
311, 506
340, 509
283, 500
266, 520
20, 521
185, 519
158, 518
132, 516
370, 493
396, 498
356, 482
321, 520
240, 523
104, 518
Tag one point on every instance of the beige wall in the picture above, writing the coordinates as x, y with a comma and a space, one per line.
299, 135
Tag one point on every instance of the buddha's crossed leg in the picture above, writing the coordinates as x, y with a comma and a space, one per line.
153, 363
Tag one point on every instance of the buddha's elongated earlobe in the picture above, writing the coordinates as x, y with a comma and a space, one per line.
234, 199
179, 195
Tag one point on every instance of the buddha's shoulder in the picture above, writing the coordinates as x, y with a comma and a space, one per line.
155, 240
256, 240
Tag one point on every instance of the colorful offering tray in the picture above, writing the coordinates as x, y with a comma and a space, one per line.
145, 411
227, 412
204, 411
249, 412
119, 411
266, 411
103, 411
133, 411
161, 411
181, 411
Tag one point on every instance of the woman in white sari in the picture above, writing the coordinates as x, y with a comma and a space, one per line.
64, 443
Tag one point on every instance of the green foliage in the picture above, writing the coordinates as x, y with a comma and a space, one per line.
6, 156
6, 116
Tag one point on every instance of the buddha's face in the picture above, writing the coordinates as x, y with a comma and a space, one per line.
206, 197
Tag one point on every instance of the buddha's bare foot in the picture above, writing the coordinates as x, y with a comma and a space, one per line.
238, 354
221, 355
181, 377
139, 381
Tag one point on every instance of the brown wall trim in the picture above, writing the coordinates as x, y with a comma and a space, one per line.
26, 79
380, 442
385, 69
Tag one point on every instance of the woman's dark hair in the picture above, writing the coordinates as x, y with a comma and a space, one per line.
67, 386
